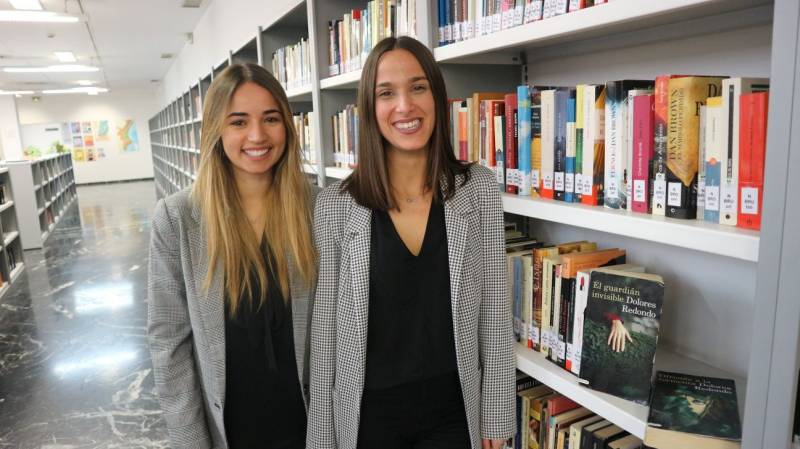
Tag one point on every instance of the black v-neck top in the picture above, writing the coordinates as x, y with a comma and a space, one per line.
410, 325
263, 401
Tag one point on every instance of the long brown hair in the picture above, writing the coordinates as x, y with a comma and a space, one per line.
231, 240
369, 182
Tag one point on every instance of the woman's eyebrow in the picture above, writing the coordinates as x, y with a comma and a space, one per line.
413, 79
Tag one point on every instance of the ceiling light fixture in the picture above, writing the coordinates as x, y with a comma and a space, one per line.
77, 90
30, 5
16, 92
52, 69
65, 56
36, 16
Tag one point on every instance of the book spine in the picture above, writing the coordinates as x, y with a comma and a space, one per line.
642, 152
715, 152
752, 149
658, 187
482, 157
579, 127
547, 302
527, 299
560, 155
500, 153
594, 146
614, 197
581, 288
463, 149
548, 143
511, 144
701, 165
524, 139
569, 169
536, 143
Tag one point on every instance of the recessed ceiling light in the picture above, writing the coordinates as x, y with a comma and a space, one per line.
35, 16
26, 4
65, 56
85, 82
52, 69
16, 92
77, 90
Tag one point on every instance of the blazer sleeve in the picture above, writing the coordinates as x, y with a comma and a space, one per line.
321, 432
495, 322
169, 333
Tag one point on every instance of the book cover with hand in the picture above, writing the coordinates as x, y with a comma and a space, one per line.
693, 412
620, 333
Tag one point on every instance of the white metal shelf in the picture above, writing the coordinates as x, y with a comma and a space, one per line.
347, 80
299, 94
310, 169
16, 271
606, 19
628, 415
337, 173
711, 238
7, 205
9, 237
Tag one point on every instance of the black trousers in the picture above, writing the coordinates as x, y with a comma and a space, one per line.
421, 415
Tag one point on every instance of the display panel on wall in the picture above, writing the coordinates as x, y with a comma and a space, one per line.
88, 140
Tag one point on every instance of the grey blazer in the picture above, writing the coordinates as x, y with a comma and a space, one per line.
481, 313
186, 327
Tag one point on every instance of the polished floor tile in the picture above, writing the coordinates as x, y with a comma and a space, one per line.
75, 370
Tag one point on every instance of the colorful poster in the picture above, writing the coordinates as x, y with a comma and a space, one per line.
78, 155
90, 156
88, 140
76, 128
87, 127
128, 136
101, 131
77, 141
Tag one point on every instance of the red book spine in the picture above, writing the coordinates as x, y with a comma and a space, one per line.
752, 150
560, 405
511, 138
642, 152
463, 143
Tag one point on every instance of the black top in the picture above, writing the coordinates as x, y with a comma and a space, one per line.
410, 331
263, 403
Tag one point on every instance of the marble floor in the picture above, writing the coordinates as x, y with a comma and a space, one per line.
75, 370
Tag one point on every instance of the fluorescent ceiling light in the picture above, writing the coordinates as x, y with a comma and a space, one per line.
16, 92
77, 90
85, 82
26, 4
65, 56
35, 16
52, 69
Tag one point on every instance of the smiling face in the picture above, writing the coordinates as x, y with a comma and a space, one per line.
404, 106
253, 133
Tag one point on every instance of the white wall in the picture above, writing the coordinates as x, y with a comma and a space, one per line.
227, 25
10, 138
138, 104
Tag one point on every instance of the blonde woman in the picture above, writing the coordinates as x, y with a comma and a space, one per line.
232, 267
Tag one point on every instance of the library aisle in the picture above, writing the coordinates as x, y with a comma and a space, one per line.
75, 370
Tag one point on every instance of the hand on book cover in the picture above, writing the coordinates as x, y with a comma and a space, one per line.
492, 444
618, 335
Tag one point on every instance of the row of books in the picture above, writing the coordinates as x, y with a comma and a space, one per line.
648, 146
354, 35
2, 193
547, 419
345, 137
291, 65
460, 20
587, 311
304, 128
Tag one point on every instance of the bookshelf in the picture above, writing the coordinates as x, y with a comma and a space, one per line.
43, 188
728, 301
11, 245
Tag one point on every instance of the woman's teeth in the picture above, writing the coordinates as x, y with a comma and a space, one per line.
408, 125
256, 153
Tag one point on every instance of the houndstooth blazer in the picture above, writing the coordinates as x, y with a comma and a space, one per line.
481, 313
186, 326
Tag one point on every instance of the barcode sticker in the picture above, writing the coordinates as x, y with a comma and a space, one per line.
512, 177
518, 12
560, 181
497, 23
569, 182
639, 190
701, 194
674, 194
660, 194
457, 32
501, 174
524, 182
469, 30
547, 182
534, 333
535, 179
562, 350
578, 183
333, 70
712, 198
750, 200
728, 200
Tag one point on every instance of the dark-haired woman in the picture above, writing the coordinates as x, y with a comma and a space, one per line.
411, 332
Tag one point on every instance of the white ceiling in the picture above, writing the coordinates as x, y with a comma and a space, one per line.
129, 38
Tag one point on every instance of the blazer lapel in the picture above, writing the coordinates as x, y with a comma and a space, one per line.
357, 244
211, 305
456, 210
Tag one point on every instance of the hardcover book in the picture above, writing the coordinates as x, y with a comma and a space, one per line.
685, 96
620, 333
752, 150
658, 182
693, 412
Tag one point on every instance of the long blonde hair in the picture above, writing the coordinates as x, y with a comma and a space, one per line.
231, 240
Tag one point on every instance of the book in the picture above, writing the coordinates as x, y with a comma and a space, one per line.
629, 148
626, 442
693, 412
701, 164
686, 94
478, 148
752, 150
524, 398
561, 422
658, 182
579, 125
642, 152
732, 89
511, 156
569, 176
606, 434
562, 96
499, 144
588, 433
524, 139
593, 160
714, 155
548, 145
537, 420
620, 333
576, 429
615, 163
